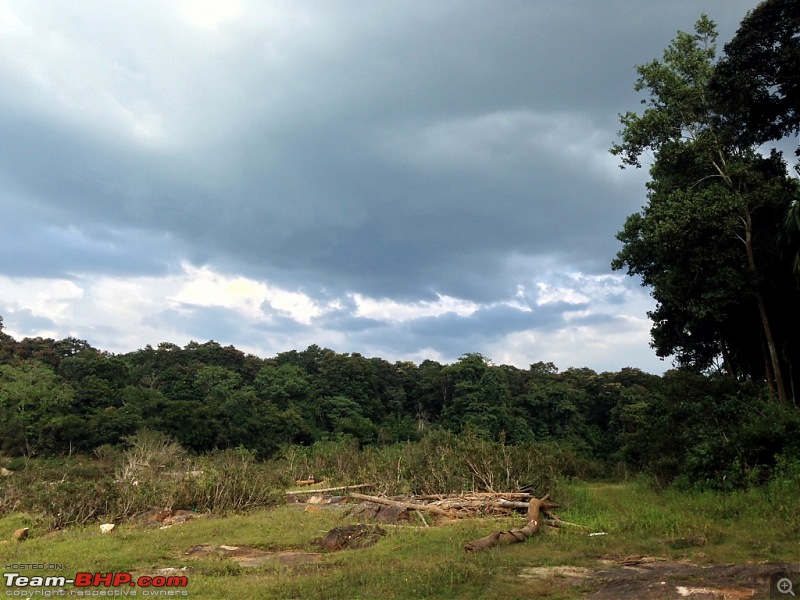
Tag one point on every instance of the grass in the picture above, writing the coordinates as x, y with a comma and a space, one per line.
412, 562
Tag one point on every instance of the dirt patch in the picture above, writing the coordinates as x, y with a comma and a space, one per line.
653, 578
255, 557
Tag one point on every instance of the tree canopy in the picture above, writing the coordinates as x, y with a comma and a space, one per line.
709, 240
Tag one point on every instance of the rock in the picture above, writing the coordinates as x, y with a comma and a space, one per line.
318, 500
172, 570
369, 511
20, 534
352, 537
5, 472
156, 515
178, 517
107, 527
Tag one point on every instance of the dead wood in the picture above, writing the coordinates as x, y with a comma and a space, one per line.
409, 505
476, 495
332, 489
500, 503
422, 518
311, 481
501, 538
556, 522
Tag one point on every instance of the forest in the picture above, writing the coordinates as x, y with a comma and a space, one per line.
60, 397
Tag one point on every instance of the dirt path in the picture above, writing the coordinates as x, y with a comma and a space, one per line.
652, 578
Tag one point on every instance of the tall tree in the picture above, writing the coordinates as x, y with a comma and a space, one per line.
706, 240
757, 80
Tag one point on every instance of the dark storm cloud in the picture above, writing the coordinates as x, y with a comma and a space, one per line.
395, 150
296, 170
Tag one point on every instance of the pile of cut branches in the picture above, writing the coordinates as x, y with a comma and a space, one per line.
456, 506
468, 504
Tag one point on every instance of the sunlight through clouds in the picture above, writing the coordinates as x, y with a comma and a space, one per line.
391, 310
204, 287
210, 14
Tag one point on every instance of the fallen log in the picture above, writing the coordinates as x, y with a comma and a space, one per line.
332, 489
311, 481
474, 495
501, 538
409, 505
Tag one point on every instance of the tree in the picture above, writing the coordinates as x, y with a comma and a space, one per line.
757, 82
758, 85
706, 242
31, 397
480, 400
283, 384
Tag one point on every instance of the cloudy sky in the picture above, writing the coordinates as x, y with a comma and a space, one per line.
405, 179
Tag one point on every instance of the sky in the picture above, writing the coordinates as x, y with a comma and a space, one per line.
411, 180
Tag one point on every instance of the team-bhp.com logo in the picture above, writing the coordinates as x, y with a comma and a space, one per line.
154, 585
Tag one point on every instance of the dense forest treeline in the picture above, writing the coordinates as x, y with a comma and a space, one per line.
64, 396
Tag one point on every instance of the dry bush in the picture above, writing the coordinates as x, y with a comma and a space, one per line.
441, 462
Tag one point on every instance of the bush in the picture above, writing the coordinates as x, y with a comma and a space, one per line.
441, 462
154, 472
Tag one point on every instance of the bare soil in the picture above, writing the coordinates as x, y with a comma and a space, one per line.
255, 557
653, 578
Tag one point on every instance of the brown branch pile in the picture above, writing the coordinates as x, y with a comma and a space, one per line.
454, 506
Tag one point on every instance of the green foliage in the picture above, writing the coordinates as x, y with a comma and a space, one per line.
412, 428
708, 242
33, 400
440, 462
710, 432
756, 81
153, 473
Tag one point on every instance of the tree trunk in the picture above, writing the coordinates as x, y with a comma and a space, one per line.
762, 309
501, 538
726, 358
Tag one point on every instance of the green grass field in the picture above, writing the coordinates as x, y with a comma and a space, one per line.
416, 562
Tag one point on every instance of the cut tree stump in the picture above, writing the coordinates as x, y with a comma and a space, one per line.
502, 538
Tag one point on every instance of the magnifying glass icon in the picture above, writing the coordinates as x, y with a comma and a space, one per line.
784, 586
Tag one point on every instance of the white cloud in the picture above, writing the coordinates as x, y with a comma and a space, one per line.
203, 287
209, 14
47, 298
123, 308
390, 310
550, 293
624, 342
122, 314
